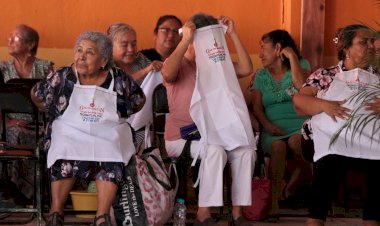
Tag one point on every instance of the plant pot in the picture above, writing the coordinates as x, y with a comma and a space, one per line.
83, 200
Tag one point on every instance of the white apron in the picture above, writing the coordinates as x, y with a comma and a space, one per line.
217, 102
145, 117
366, 146
90, 128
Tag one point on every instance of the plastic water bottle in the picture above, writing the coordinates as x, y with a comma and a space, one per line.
179, 213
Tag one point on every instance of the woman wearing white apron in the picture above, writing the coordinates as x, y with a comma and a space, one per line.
179, 74
324, 98
88, 104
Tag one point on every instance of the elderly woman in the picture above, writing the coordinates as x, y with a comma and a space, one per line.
166, 38
22, 46
324, 98
284, 72
125, 53
134, 63
179, 74
88, 103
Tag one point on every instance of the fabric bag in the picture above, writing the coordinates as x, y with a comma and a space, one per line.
190, 132
261, 199
147, 195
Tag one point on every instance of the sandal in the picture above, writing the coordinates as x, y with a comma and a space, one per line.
55, 219
107, 220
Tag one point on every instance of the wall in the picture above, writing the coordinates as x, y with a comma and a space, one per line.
59, 22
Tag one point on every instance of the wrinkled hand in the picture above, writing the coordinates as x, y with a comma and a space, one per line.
287, 52
335, 110
188, 30
374, 105
155, 65
273, 129
228, 22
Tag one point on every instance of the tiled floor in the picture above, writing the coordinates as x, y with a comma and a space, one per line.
290, 217
284, 221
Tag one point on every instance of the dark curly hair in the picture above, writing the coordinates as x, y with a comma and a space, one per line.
283, 38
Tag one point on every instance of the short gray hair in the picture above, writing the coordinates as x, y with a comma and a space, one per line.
102, 42
118, 29
30, 35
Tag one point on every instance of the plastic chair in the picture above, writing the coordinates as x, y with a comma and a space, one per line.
15, 98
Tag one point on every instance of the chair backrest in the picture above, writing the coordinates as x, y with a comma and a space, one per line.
160, 109
15, 98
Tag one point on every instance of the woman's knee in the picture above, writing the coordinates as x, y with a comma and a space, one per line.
278, 148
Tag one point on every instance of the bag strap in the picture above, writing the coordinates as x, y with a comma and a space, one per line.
168, 187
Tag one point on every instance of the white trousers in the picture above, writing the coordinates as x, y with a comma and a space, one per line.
214, 158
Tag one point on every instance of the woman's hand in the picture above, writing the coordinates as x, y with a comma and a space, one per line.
188, 30
227, 22
273, 129
374, 105
155, 65
288, 53
334, 109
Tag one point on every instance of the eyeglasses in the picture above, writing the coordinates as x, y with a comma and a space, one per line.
166, 30
15, 38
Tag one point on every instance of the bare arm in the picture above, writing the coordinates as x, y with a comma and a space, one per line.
299, 74
154, 66
306, 103
172, 63
243, 66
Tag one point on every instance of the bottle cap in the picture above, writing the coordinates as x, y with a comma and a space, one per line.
180, 201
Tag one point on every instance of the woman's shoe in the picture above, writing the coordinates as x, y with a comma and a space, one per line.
273, 218
207, 222
107, 220
241, 221
55, 219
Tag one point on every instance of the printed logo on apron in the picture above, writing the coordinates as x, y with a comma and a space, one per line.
344, 85
90, 129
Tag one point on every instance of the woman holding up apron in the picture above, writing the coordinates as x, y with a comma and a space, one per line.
87, 104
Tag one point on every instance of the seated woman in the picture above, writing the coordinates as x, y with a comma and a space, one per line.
284, 72
23, 46
88, 103
135, 64
166, 38
324, 97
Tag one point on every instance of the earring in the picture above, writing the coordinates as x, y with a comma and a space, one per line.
102, 68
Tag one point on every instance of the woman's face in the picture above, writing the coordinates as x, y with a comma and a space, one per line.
125, 48
362, 51
377, 47
17, 43
167, 37
268, 53
87, 58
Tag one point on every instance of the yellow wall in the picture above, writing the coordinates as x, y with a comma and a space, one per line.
59, 22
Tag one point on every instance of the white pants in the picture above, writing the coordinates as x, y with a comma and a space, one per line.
214, 158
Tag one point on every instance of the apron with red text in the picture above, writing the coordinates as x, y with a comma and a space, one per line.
90, 129
363, 144
217, 106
